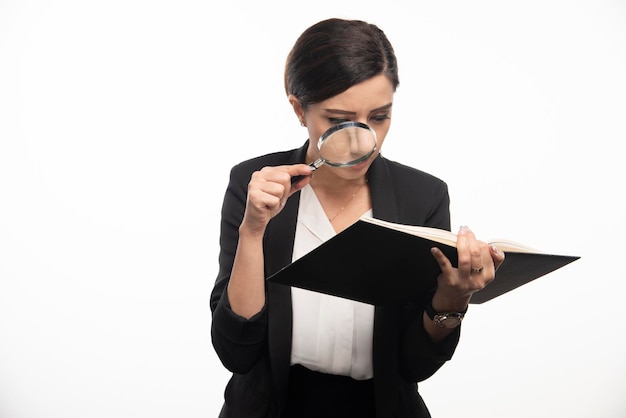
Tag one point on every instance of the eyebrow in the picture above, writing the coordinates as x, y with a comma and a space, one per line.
346, 112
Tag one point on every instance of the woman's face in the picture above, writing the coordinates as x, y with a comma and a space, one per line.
368, 102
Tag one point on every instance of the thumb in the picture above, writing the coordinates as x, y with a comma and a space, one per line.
300, 176
441, 259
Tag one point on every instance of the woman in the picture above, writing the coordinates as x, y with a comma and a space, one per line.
296, 353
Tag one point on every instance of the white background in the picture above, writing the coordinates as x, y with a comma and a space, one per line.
119, 121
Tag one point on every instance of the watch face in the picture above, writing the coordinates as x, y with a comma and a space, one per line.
448, 320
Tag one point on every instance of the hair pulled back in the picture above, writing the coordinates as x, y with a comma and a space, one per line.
333, 55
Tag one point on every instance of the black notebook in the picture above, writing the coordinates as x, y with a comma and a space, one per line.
379, 263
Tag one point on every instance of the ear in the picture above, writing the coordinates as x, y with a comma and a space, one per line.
296, 104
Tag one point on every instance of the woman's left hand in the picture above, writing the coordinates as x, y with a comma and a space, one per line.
477, 265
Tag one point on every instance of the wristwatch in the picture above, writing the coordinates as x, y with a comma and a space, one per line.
445, 319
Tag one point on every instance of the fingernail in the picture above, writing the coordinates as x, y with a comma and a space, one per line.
463, 229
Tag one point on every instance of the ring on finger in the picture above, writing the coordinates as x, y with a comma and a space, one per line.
478, 270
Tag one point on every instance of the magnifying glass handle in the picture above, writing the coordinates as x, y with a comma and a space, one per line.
296, 179
314, 165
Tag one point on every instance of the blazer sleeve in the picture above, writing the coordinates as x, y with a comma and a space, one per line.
420, 357
238, 342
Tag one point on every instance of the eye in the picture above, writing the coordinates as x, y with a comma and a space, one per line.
336, 121
380, 118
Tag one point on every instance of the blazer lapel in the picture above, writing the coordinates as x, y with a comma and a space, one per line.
278, 247
385, 344
384, 199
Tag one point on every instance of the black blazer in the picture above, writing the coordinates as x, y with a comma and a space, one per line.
257, 351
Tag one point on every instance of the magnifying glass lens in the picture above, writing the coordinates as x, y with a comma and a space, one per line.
347, 146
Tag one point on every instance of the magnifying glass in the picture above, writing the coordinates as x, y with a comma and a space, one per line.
345, 144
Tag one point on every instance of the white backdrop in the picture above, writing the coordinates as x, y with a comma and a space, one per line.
119, 121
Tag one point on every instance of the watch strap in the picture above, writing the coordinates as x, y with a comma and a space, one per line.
431, 313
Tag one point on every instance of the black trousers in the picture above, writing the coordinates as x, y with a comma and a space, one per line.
316, 395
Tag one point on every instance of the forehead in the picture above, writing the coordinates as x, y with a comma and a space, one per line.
363, 97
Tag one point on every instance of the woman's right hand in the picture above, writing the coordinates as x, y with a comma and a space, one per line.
268, 191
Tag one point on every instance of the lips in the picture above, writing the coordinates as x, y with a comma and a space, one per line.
360, 166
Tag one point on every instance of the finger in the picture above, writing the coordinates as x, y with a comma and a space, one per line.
300, 169
469, 253
284, 176
300, 176
477, 264
497, 256
462, 248
267, 190
487, 274
489, 268
261, 202
442, 260
270, 180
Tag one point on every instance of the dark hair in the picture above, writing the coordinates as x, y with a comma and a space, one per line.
333, 55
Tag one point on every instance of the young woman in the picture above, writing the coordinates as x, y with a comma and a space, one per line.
297, 353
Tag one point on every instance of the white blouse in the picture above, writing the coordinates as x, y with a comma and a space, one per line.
330, 334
